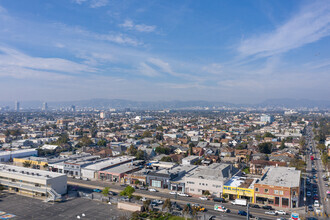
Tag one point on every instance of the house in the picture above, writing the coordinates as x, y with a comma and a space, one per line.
227, 152
243, 155
257, 166
190, 160
181, 150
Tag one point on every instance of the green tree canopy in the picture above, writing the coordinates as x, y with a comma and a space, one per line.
102, 142
265, 148
128, 191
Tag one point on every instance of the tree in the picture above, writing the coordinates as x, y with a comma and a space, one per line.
268, 134
102, 142
27, 163
282, 146
105, 191
167, 204
146, 134
265, 148
146, 204
86, 141
131, 150
128, 191
45, 165
206, 193
166, 159
140, 155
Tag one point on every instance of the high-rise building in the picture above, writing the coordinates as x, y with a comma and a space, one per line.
44, 106
17, 106
73, 108
267, 118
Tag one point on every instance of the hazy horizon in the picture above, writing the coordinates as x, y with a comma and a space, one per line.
218, 51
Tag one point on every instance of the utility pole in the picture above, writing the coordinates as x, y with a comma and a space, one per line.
247, 207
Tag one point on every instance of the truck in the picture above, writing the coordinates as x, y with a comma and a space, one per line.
220, 208
241, 202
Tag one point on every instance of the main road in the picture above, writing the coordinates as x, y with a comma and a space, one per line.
209, 205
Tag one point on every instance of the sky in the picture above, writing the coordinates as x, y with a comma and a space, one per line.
214, 50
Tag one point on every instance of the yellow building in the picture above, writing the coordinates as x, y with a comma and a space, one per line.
35, 162
239, 188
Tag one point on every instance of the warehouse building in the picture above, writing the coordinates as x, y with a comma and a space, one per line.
6, 156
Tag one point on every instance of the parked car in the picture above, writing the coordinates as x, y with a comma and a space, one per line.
243, 213
308, 193
183, 194
255, 206
172, 192
268, 207
153, 190
217, 199
280, 212
271, 213
317, 210
143, 199
203, 198
310, 208
143, 188
97, 190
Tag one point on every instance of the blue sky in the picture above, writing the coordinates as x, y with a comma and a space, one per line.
234, 51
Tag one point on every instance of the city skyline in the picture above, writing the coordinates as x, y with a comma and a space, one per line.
153, 51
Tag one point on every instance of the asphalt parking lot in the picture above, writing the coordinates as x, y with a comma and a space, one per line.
29, 208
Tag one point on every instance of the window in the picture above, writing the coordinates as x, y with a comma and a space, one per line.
192, 190
275, 191
266, 190
257, 189
294, 193
156, 183
281, 192
285, 202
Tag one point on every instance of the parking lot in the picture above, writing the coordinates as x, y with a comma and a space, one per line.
29, 208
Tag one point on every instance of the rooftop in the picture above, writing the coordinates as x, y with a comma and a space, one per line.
281, 176
110, 162
3, 153
33, 173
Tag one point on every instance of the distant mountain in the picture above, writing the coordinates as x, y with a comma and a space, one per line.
154, 105
295, 103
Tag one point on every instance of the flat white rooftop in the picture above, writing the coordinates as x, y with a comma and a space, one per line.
32, 173
108, 163
3, 153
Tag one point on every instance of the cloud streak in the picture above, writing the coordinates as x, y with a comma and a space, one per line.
129, 24
311, 24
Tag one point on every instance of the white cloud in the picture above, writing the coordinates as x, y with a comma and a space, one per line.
310, 25
147, 70
119, 39
11, 59
214, 68
98, 3
129, 24
93, 3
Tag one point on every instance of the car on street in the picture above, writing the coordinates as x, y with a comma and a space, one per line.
153, 190
310, 208
268, 207
316, 203
255, 206
217, 199
281, 218
280, 212
308, 193
271, 213
241, 212
159, 202
326, 184
172, 192
97, 190
203, 198
143, 188
123, 185
183, 194
317, 210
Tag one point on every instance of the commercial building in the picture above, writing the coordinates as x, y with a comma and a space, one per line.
211, 178
6, 156
33, 182
279, 186
240, 188
117, 173
190, 160
91, 171
34, 162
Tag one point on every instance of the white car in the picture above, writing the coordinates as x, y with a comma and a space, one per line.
152, 190
280, 212
143, 199
203, 198
183, 194
317, 210
172, 193
271, 213
316, 203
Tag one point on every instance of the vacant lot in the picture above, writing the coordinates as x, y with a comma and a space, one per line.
29, 208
